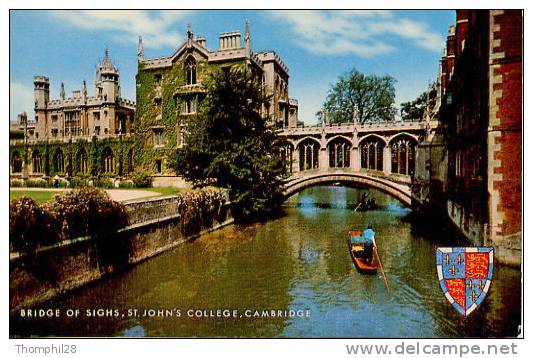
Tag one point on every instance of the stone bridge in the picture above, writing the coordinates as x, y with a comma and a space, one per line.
378, 155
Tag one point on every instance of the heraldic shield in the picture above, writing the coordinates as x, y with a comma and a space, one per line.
465, 275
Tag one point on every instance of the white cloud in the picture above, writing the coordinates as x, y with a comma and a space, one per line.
361, 32
20, 100
154, 26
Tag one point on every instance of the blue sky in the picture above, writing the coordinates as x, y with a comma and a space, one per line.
317, 46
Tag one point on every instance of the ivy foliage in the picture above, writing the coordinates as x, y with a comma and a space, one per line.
230, 145
71, 156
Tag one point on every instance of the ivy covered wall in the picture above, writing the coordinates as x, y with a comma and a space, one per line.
160, 92
80, 158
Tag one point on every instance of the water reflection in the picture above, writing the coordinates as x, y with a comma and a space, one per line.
297, 262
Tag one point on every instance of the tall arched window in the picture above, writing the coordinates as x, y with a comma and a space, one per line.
308, 154
82, 159
403, 156
190, 71
37, 165
16, 163
372, 153
339, 153
108, 160
59, 161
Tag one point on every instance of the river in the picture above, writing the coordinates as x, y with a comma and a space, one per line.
296, 264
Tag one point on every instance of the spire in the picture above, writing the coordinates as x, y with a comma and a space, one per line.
84, 90
140, 50
106, 59
247, 45
247, 30
62, 91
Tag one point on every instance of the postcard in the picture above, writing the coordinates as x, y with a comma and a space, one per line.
266, 174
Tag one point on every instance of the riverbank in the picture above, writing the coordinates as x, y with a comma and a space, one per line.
298, 261
154, 226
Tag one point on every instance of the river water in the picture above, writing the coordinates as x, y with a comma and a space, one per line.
298, 263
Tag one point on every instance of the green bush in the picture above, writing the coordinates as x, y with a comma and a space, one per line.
87, 212
60, 183
104, 182
16, 183
142, 180
36, 183
200, 208
77, 182
125, 184
30, 226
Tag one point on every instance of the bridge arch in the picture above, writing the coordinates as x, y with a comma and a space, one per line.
399, 191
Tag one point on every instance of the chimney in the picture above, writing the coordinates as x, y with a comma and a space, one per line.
230, 40
76, 94
202, 41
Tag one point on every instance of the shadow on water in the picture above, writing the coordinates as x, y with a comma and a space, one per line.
295, 262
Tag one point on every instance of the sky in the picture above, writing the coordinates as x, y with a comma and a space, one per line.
318, 46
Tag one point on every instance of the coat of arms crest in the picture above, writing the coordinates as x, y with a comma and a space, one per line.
465, 275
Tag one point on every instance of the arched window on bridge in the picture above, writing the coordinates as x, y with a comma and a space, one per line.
339, 153
108, 161
372, 154
308, 154
16, 163
286, 156
403, 156
59, 161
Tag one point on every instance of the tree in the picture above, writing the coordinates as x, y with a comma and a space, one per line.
230, 145
414, 109
369, 98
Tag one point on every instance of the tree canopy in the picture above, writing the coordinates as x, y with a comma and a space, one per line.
369, 98
414, 110
229, 144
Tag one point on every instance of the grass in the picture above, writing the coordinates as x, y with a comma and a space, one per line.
166, 190
39, 196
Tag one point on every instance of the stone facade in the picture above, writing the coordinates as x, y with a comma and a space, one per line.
170, 90
481, 124
104, 115
57, 141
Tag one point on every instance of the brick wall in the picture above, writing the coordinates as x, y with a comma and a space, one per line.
508, 151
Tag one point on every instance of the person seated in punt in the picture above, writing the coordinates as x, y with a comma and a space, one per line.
368, 237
